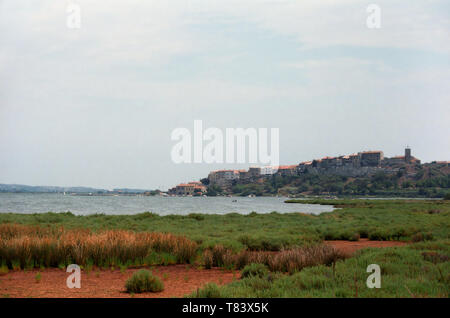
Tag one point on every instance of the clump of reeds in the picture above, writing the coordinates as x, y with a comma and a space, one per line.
296, 259
33, 246
291, 260
218, 251
208, 258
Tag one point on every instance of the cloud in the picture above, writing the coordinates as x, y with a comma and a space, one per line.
80, 103
417, 24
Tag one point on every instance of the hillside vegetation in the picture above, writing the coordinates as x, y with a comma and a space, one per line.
423, 182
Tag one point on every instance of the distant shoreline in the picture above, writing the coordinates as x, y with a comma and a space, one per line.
375, 197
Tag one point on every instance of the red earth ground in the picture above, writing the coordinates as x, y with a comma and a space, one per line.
350, 247
179, 280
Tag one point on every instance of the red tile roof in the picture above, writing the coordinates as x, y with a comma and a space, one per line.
287, 167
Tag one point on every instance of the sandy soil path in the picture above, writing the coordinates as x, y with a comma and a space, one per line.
179, 280
350, 247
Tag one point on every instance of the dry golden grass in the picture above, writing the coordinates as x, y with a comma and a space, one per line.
35, 246
290, 260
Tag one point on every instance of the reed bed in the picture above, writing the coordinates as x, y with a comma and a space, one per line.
33, 246
289, 260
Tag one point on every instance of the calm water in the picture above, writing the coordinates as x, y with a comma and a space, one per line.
82, 205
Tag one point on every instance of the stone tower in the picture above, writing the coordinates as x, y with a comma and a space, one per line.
408, 154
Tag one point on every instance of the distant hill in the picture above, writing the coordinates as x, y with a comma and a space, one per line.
426, 180
126, 190
21, 188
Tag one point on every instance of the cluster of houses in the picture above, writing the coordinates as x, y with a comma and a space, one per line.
358, 164
186, 189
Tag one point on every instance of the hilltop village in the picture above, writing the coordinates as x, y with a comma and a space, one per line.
347, 167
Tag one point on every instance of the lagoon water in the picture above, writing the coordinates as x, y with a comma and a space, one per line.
84, 205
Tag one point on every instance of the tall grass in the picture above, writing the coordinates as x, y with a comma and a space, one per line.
402, 220
415, 270
290, 260
33, 246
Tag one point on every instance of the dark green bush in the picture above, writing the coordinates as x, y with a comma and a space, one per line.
143, 281
259, 270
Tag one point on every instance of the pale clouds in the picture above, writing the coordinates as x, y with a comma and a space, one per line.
95, 106
405, 24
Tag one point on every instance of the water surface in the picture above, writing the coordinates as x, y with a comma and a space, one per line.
84, 205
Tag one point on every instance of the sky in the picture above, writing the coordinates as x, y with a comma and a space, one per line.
96, 105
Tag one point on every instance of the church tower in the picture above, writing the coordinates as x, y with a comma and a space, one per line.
408, 154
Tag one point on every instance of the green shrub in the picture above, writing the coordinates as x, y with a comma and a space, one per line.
210, 290
257, 283
378, 235
259, 270
143, 281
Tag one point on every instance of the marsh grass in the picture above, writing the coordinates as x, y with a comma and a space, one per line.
290, 260
33, 246
259, 270
418, 270
374, 219
288, 244
210, 290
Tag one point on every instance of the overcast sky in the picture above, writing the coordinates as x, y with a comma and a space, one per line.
96, 106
